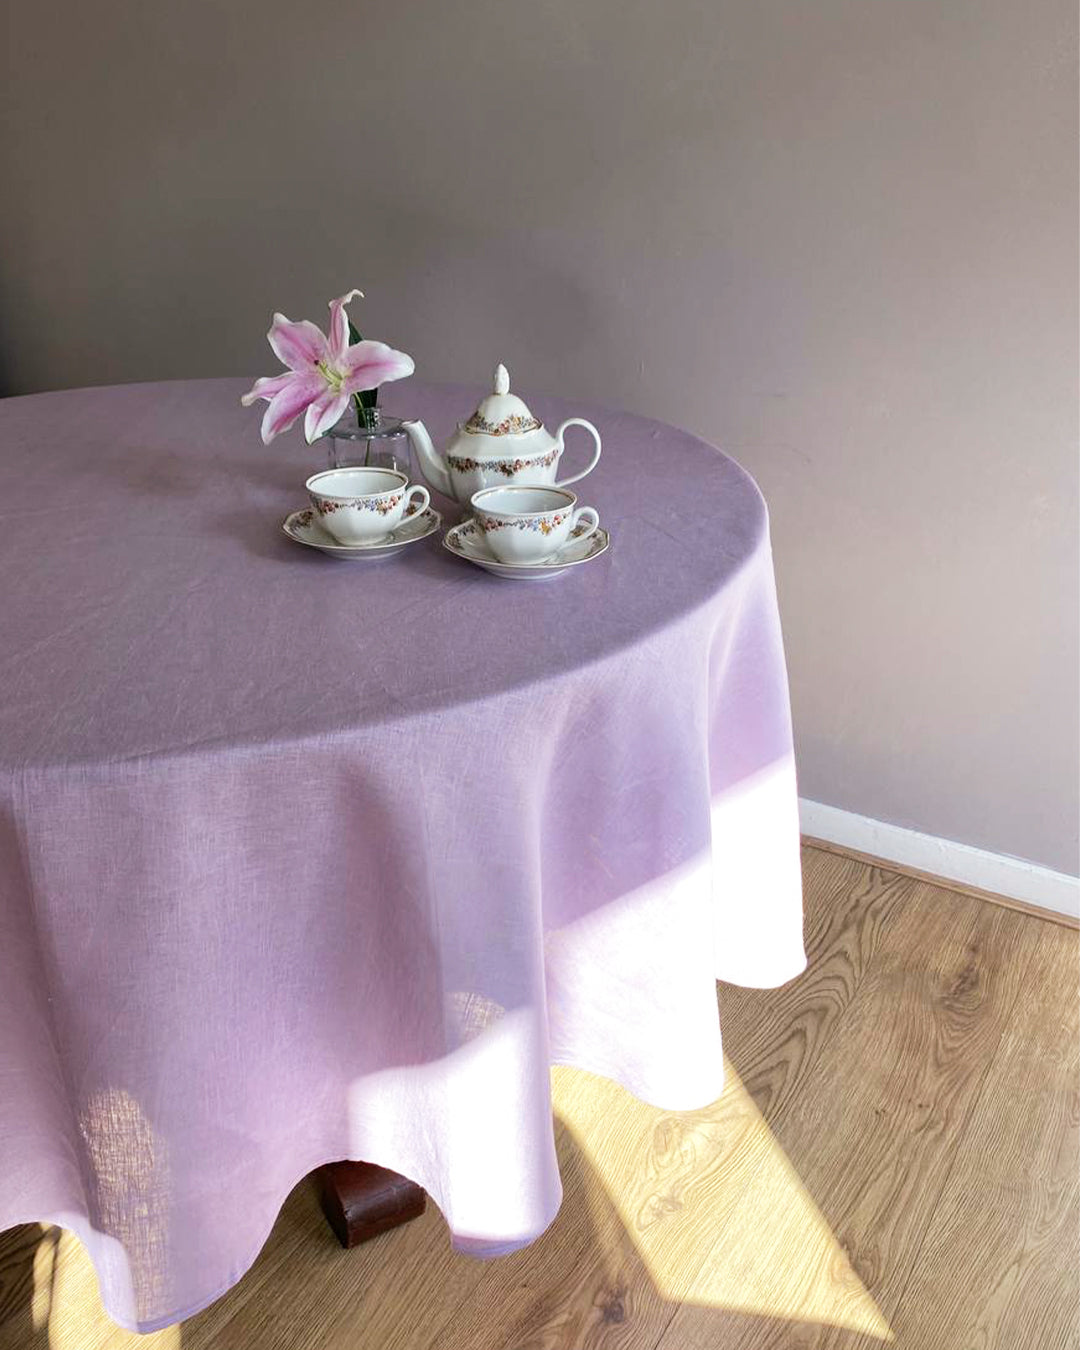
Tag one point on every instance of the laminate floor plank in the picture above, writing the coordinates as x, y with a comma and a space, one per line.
871, 1129
776, 1034
999, 1262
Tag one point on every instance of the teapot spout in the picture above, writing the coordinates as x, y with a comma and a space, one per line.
432, 463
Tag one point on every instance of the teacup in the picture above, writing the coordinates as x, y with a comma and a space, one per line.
363, 506
528, 524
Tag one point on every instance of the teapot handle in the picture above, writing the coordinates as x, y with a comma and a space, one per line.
578, 422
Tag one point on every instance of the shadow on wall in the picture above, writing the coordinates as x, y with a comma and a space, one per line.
678, 1229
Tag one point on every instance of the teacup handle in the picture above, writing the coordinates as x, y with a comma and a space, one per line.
578, 422
594, 523
415, 510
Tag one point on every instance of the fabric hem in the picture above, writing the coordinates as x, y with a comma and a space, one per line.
461, 1245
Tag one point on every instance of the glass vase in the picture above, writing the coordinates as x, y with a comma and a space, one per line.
368, 440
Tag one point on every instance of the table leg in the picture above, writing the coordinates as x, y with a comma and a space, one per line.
361, 1201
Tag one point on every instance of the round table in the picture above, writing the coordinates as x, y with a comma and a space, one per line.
303, 860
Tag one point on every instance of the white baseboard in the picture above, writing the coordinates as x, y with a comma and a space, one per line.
996, 872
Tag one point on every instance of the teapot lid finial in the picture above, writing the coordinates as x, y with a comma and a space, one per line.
502, 413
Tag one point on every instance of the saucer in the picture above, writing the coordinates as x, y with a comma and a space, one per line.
467, 541
304, 528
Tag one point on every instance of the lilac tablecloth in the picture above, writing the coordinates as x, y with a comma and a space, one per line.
302, 860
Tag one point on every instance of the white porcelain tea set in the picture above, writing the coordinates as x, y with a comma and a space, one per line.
501, 464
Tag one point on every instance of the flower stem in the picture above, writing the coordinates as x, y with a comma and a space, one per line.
367, 399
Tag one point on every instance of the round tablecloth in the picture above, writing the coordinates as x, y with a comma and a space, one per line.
303, 860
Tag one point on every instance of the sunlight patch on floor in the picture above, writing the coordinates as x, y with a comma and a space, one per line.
44, 1269
66, 1300
715, 1210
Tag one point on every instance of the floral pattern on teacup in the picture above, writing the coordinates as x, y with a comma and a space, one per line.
470, 530
381, 504
543, 524
507, 467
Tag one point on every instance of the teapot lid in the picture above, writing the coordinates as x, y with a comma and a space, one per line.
502, 413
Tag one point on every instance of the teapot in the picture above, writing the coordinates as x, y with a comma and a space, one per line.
502, 444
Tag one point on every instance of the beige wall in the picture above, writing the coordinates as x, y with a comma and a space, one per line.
838, 239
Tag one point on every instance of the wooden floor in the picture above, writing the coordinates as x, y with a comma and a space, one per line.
894, 1160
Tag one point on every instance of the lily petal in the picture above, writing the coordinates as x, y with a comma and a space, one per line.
323, 412
368, 364
300, 346
339, 326
266, 387
289, 402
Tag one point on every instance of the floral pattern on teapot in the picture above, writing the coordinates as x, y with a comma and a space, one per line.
507, 467
514, 425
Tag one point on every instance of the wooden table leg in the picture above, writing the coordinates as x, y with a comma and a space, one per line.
361, 1201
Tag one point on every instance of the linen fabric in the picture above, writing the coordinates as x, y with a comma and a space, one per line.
303, 860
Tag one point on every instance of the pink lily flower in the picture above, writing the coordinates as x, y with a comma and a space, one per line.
324, 372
